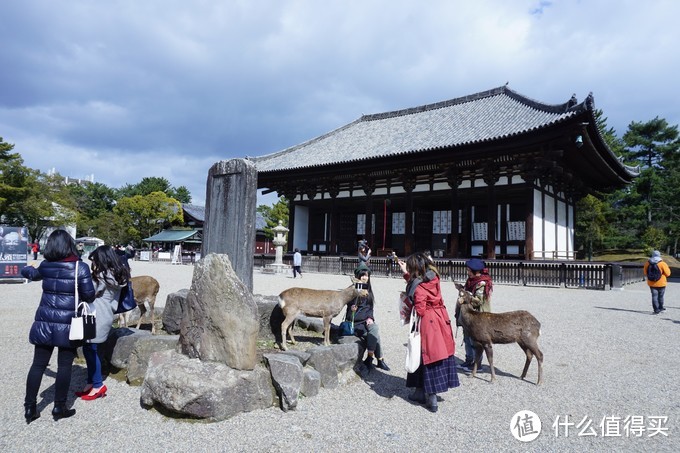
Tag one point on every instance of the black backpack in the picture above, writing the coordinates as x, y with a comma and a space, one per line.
653, 272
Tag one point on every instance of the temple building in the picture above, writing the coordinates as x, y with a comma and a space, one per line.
494, 174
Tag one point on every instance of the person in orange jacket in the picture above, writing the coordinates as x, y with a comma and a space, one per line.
657, 279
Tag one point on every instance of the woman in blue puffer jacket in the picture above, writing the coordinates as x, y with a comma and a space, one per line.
52, 322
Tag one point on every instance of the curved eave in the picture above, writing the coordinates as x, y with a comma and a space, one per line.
624, 173
529, 112
377, 157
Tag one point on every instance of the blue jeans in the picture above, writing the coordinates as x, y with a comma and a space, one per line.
470, 350
657, 298
94, 365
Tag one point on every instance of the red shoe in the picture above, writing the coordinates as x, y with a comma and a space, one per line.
84, 392
101, 393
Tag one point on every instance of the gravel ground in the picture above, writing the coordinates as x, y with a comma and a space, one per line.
605, 356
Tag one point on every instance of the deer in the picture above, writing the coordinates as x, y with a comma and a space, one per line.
485, 329
145, 289
325, 304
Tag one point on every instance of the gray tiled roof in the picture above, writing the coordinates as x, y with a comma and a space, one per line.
481, 117
195, 211
198, 213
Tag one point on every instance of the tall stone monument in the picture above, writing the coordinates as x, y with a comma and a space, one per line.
230, 207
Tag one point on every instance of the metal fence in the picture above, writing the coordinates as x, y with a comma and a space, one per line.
568, 274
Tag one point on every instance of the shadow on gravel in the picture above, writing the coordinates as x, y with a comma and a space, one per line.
78, 373
643, 312
386, 385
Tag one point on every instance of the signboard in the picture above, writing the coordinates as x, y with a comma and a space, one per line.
13, 251
177, 255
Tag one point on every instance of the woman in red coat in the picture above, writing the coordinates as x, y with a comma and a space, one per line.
437, 372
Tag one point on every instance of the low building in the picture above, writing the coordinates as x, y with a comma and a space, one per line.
493, 174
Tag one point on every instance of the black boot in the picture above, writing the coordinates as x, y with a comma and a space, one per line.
418, 395
369, 362
382, 365
431, 402
31, 412
60, 411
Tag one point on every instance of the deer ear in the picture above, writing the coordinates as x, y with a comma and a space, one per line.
458, 286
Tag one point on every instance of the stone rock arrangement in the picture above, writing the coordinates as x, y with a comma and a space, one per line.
210, 370
220, 321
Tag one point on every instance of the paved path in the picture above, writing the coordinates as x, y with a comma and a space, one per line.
606, 358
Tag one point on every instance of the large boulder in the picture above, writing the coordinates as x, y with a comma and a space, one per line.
221, 322
174, 310
121, 342
287, 374
207, 390
322, 360
141, 352
266, 306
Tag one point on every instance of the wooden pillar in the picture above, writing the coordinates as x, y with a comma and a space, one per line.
291, 220
409, 183
333, 191
490, 178
454, 180
529, 225
492, 216
369, 187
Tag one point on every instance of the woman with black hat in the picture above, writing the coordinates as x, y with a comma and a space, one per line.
360, 311
480, 285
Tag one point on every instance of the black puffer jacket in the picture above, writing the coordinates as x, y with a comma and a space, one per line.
57, 306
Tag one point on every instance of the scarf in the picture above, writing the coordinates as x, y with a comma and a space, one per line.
484, 276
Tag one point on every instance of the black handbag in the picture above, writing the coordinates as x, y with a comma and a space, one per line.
126, 300
84, 323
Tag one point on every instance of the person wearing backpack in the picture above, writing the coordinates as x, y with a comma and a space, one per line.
657, 272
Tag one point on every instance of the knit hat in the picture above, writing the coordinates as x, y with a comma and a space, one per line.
475, 264
656, 257
361, 268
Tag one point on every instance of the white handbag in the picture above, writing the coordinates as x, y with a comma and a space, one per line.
83, 322
413, 353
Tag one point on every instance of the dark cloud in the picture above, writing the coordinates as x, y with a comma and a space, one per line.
129, 89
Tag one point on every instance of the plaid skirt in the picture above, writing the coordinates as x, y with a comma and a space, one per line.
436, 377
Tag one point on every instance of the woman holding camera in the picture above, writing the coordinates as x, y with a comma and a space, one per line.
437, 371
364, 252
360, 311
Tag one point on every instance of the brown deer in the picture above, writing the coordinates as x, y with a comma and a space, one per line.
485, 329
325, 304
145, 289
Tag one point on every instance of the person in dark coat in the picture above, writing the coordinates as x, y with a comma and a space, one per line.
360, 311
52, 322
437, 372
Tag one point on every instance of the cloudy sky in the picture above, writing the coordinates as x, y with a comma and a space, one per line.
123, 89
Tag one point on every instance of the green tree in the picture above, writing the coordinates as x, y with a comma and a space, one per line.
44, 204
149, 185
654, 145
181, 194
91, 201
13, 181
111, 228
146, 215
591, 223
272, 215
